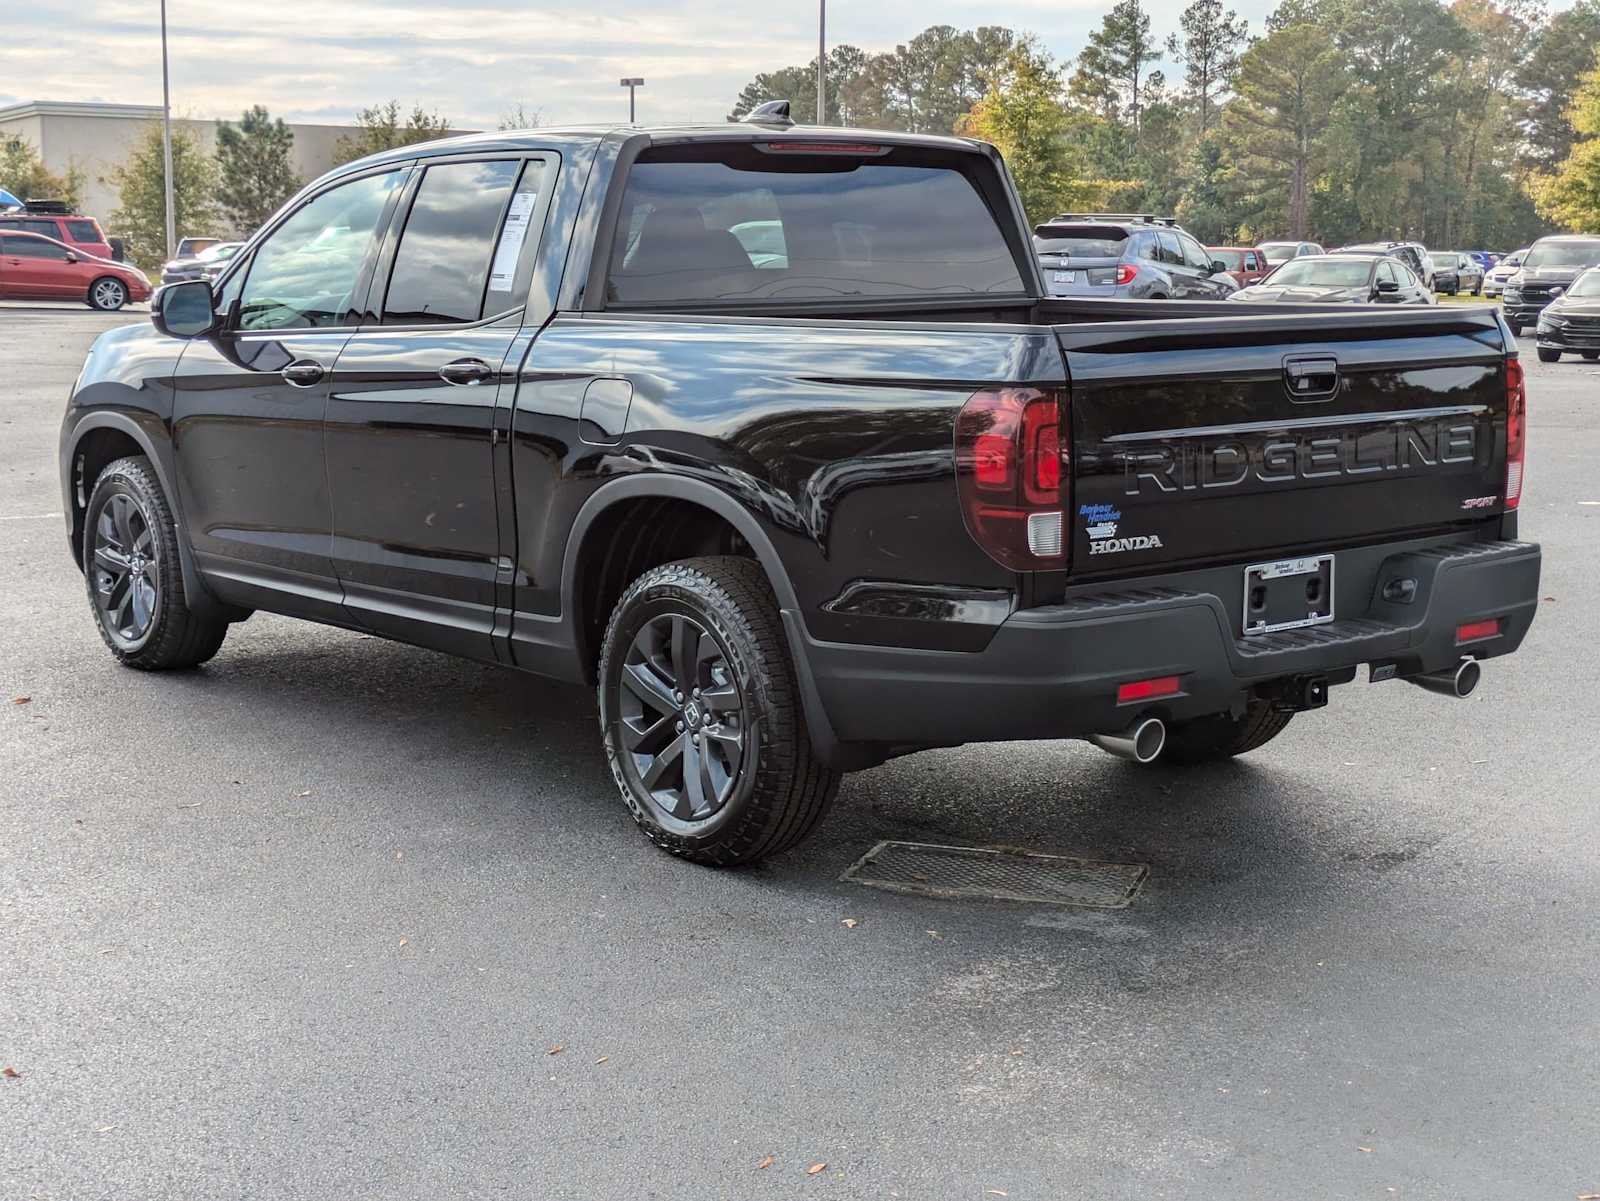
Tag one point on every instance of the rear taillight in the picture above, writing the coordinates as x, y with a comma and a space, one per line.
1125, 273
1516, 431
1012, 477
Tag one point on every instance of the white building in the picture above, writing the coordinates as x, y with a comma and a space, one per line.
95, 138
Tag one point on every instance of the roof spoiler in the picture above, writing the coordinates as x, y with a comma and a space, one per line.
772, 112
1147, 218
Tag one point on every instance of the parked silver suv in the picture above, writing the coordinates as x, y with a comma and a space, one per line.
1126, 256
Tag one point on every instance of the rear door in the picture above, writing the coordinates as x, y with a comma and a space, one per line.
1241, 438
412, 415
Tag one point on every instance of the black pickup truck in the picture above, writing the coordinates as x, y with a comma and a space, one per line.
773, 435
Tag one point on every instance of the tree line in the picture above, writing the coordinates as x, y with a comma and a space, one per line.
1471, 123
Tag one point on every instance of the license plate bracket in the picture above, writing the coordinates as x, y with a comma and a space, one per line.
1066, 277
1288, 594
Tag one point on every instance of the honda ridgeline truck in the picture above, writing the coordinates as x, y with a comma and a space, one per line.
774, 436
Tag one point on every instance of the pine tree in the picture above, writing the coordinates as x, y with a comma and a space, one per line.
257, 176
1208, 45
1111, 68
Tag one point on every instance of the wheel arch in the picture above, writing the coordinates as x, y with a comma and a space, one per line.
678, 490
99, 440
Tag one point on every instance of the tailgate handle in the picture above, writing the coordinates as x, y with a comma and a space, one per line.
1311, 378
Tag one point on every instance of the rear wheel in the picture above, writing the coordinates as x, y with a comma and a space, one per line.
1516, 329
1221, 736
1591, 355
108, 294
1549, 356
130, 565
701, 716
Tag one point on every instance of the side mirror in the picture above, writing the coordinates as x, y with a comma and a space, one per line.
72, 256
1388, 285
1218, 266
1557, 290
184, 310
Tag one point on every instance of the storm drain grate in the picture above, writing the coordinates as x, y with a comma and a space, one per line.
936, 871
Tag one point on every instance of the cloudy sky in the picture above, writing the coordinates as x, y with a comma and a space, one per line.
472, 60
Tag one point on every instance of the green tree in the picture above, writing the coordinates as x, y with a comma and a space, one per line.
1571, 197
1561, 51
24, 175
521, 117
1022, 116
381, 128
1111, 68
1208, 44
141, 185
256, 175
798, 85
1286, 89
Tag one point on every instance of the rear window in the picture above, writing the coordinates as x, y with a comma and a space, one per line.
1084, 241
1231, 259
1279, 252
741, 223
83, 231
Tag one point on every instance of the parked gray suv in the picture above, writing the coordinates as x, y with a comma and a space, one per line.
1127, 257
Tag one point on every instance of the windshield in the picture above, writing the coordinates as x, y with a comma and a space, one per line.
225, 251
1279, 252
1321, 273
763, 223
1587, 284
1233, 260
1081, 241
1563, 254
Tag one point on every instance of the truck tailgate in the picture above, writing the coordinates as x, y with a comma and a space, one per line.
1224, 437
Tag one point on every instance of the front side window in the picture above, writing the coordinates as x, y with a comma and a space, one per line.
780, 221
442, 267
35, 248
1193, 255
305, 274
1386, 274
1171, 252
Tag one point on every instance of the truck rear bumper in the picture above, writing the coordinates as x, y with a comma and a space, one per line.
1054, 671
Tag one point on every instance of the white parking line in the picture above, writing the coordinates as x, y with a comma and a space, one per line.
33, 517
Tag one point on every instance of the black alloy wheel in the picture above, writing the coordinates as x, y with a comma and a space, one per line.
126, 572
682, 717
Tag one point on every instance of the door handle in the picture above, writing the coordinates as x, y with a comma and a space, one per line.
466, 371
304, 373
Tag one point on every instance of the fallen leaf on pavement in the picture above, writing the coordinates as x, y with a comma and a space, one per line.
307, 792
11, 1074
190, 805
104, 1129
602, 1059
1368, 1150
815, 1168
1589, 1197
934, 934
764, 1162
403, 941
995, 1192
849, 923
919, 877
557, 1049
21, 700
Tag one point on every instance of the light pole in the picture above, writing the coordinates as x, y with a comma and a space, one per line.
166, 138
822, 61
630, 84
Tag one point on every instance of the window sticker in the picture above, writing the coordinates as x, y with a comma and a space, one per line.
506, 253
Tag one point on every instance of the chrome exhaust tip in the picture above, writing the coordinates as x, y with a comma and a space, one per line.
1141, 742
1458, 681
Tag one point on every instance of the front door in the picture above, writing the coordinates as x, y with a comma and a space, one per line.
34, 268
414, 415
249, 402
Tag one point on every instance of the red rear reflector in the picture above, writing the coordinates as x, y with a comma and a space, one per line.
1144, 690
1125, 273
1516, 431
1475, 630
823, 148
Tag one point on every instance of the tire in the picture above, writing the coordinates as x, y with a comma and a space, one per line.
1210, 739
108, 294
1549, 356
1591, 355
754, 786
136, 595
1516, 329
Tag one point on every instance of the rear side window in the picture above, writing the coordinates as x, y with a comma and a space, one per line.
1083, 241
753, 223
442, 267
83, 231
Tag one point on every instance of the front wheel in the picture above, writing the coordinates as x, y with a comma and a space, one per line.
1516, 329
701, 716
108, 294
130, 564
1549, 356
1591, 355
1222, 736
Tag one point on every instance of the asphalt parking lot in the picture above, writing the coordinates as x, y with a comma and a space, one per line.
335, 918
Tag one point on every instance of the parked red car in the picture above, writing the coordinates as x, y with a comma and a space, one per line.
81, 233
34, 267
1246, 264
